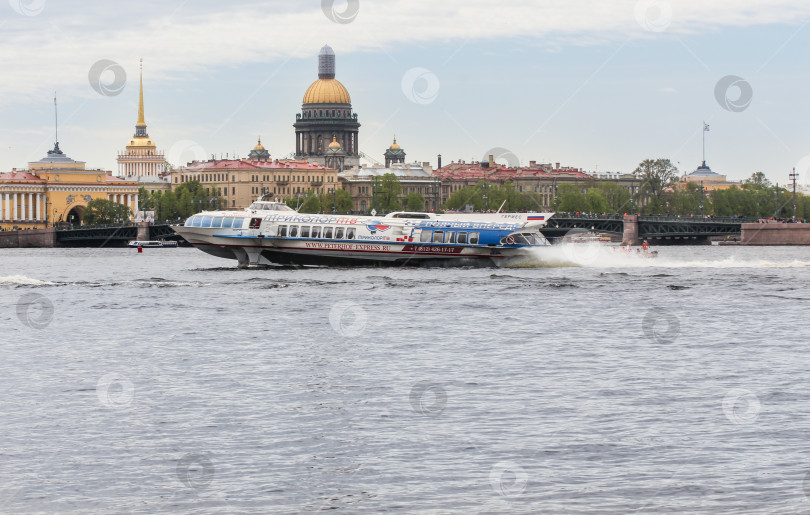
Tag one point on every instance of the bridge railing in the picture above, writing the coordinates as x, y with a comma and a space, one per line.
657, 218
587, 216
696, 219
69, 227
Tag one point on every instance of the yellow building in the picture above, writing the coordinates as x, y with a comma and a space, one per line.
241, 181
705, 177
57, 189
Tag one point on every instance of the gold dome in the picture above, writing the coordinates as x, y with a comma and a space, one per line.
334, 143
259, 145
394, 145
327, 91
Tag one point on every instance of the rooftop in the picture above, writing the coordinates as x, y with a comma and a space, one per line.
19, 176
233, 164
483, 171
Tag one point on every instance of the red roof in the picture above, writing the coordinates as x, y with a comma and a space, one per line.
498, 172
19, 176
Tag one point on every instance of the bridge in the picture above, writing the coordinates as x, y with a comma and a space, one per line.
654, 228
631, 228
113, 235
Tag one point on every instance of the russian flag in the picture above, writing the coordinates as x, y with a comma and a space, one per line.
535, 217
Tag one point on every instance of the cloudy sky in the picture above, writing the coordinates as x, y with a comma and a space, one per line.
587, 83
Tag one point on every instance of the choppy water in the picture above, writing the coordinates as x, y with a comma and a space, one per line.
170, 382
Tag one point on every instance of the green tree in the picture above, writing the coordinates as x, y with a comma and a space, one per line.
571, 199
596, 201
312, 204
387, 190
616, 197
467, 195
414, 202
656, 175
339, 201
685, 200
758, 181
102, 211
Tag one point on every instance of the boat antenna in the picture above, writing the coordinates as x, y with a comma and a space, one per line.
499, 209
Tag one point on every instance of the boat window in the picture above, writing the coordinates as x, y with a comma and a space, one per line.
255, 223
282, 230
293, 231
227, 222
462, 237
216, 222
450, 237
438, 236
327, 232
421, 216
425, 236
350, 233
316, 231
238, 223
473, 238
338, 233
196, 221
305, 231
206, 221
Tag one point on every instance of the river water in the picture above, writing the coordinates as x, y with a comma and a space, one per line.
593, 381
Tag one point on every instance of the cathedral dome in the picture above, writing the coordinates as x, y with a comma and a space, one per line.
335, 143
327, 91
394, 145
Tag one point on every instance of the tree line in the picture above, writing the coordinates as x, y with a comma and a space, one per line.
181, 202
659, 192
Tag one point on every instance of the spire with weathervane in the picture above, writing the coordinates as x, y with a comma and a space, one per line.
141, 157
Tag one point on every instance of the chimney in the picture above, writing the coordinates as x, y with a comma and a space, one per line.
532, 163
491, 161
440, 161
557, 166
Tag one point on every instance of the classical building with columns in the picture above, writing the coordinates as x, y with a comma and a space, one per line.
326, 117
57, 189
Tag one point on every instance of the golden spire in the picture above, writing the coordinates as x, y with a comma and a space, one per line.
141, 121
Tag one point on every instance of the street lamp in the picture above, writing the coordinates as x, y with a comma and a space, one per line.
793, 177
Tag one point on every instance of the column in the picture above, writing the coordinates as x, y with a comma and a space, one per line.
7, 206
136, 203
129, 201
39, 207
22, 206
14, 211
30, 206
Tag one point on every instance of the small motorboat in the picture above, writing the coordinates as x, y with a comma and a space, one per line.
151, 243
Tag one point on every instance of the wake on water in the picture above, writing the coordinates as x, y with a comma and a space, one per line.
596, 255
